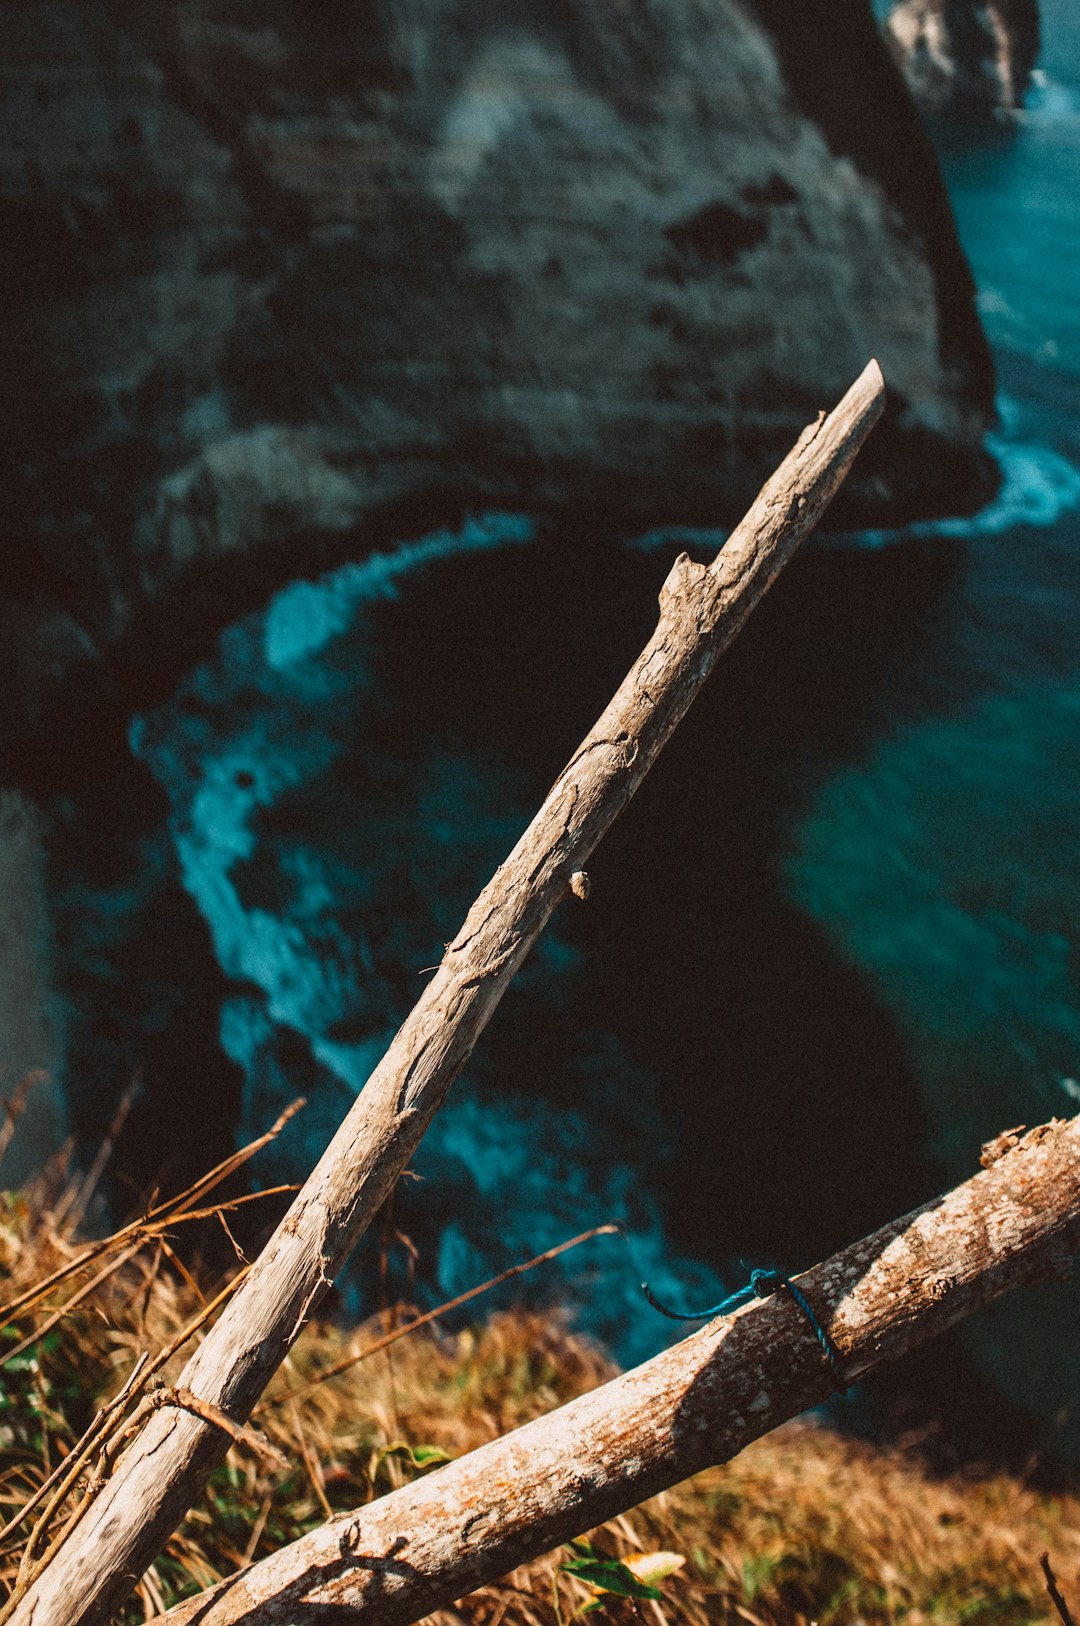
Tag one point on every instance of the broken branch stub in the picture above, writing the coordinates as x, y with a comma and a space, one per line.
701, 610
420, 1548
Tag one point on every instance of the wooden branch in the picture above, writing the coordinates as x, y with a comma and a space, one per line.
420, 1548
1054, 1590
701, 610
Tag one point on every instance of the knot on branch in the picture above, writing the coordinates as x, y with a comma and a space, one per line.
1000, 1146
686, 579
1010, 1139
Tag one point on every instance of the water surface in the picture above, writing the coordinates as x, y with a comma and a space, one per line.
832, 945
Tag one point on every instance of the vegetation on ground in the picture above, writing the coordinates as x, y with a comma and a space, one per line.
805, 1526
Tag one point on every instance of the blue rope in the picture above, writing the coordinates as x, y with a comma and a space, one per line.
762, 1283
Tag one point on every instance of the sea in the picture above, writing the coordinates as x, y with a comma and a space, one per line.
831, 948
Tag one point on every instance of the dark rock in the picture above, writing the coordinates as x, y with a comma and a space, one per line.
971, 57
718, 234
277, 272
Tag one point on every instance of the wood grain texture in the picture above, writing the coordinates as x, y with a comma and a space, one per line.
420, 1548
701, 610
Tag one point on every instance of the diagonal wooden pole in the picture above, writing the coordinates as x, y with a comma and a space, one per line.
420, 1548
701, 610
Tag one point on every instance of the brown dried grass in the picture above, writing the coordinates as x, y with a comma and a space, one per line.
804, 1526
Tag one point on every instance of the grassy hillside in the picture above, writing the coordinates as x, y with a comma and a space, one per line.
805, 1526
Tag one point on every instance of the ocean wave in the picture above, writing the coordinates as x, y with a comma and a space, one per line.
1049, 101
303, 617
1038, 486
327, 844
664, 537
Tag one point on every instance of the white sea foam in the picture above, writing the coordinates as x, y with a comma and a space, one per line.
305, 616
1050, 102
1038, 486
269, 735
294, 901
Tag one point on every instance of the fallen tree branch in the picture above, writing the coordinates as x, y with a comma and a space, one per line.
420, 1548
701, 610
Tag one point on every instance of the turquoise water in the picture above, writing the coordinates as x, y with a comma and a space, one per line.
945, 862
832, 946
333, 819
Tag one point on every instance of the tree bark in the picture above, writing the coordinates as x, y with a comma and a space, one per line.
422, 1547
701, 610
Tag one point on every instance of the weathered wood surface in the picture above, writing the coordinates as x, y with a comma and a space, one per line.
701, 610
421, 1547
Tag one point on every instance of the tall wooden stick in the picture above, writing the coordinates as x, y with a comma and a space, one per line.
420, 1548
701, 610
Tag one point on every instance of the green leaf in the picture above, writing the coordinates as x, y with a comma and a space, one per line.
424, 1455
609, 1575
22, 1363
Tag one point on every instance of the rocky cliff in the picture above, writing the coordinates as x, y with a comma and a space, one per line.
275, 273
966, 56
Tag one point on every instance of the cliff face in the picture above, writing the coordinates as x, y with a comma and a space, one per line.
966, 56
273, 272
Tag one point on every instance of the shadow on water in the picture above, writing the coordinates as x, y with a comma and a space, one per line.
786, 1095
141, 991
783, 1112
784, 1083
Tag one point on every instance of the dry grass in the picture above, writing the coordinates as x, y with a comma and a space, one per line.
804, 1526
